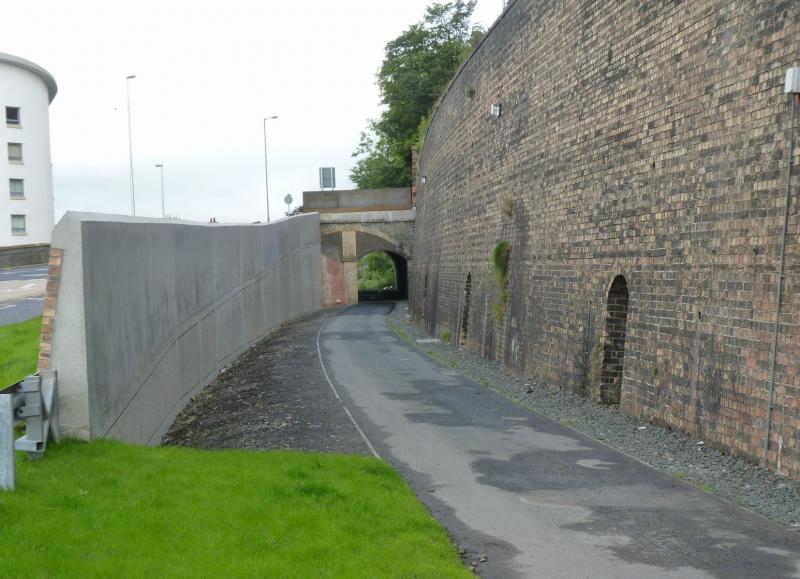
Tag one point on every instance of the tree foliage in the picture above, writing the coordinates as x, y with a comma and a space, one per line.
416, 68
376, 271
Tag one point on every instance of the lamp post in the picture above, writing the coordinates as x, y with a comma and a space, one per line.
163, 212
130, 140
266, 168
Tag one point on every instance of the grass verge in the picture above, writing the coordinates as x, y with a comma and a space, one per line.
19, 350
107, 509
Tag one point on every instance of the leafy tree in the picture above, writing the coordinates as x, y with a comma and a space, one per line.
416, 68
376, 271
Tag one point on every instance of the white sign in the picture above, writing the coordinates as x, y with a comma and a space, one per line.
327, 177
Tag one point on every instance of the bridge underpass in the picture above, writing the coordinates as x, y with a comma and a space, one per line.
354, 224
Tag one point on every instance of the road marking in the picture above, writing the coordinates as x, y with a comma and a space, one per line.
595, 464
35, 299
6, 307
339, 398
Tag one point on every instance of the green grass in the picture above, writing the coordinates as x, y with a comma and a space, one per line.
19, 350
108, 509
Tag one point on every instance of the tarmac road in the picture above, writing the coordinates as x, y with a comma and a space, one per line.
22, 293
536, 498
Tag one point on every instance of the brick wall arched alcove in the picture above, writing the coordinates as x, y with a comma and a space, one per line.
614, 344
464, 329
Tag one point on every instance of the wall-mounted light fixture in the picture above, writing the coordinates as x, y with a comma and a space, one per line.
496, 110
792, 84
424, 179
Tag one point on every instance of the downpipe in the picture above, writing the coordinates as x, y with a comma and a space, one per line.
779, 296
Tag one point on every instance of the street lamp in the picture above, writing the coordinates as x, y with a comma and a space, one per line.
161, 166
130, 140
266, 169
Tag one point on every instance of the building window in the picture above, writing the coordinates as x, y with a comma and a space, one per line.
18, 225
17, 188
12, 117
15, 152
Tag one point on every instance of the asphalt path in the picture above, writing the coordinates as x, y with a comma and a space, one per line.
22, 293
530, 496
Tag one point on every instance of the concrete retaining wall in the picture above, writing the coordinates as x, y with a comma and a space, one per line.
357, 200
23, 255
149, 311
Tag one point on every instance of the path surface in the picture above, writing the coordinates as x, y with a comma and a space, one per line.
22, 293
538, 499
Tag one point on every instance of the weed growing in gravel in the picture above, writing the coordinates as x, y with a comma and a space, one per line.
395, 327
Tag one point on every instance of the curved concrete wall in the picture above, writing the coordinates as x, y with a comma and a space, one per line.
149, 311
647, 139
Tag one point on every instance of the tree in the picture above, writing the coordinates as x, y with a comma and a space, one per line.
416, 68
376, 271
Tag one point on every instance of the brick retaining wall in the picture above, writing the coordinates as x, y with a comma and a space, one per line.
646, 140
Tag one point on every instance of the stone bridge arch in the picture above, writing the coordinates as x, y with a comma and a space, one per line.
347, 237
354, 223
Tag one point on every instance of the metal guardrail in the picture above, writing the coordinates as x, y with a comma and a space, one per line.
35, 402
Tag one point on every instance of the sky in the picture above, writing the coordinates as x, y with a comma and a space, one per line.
207, 73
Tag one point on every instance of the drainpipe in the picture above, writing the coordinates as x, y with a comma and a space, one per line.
792, 87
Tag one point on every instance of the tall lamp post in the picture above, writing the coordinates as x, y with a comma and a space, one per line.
130, 140
161, 166
266, 167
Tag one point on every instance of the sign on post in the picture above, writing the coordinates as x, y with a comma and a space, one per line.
327, 178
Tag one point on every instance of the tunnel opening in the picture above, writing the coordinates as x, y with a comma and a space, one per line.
614, 345
382, 275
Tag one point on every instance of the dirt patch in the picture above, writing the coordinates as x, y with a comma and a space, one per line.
274, 396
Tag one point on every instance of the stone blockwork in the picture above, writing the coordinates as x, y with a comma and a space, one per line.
347, 236
49, 312
643, 143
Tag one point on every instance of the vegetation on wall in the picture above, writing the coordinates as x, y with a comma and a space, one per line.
376, 271
507, 205
417, 67
500, 258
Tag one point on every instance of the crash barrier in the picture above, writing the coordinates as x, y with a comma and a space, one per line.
34, 402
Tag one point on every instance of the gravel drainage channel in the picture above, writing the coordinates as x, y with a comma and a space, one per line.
773, 496
275, 396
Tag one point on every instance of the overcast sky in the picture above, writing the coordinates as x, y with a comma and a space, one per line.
207, 73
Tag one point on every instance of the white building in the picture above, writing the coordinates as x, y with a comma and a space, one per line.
26, 174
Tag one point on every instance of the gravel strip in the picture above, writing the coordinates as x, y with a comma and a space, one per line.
274, 396
774, 496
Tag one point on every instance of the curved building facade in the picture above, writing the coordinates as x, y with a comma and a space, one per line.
26, 175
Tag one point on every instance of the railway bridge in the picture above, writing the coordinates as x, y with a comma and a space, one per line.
354, 223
